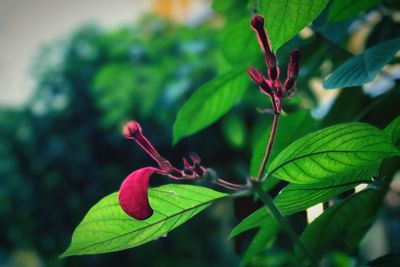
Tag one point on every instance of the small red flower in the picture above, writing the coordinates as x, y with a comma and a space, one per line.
132, 195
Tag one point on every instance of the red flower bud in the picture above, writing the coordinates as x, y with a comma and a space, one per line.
131, 129
294, 64
292, 72
257, 24
259, 79
256, 76
273, 73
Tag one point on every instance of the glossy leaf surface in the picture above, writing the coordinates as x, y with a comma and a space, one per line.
334, 155
285, 18
106, 227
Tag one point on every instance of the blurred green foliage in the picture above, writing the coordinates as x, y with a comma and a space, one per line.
63, 151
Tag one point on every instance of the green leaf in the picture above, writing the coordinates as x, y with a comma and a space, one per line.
340, 259
341, 221
292, 199
240, 43
285, 18
106, 227
234, 130
393, 130
261, 241
333, 155
298, 197
290, 128
363, 68
345, 9
209, 103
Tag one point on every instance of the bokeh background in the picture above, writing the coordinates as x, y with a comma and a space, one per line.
72, 72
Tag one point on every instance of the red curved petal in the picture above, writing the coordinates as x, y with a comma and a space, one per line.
133, 194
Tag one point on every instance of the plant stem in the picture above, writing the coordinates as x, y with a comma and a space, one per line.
270, 144
274, 211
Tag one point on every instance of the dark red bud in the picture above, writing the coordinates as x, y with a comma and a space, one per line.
289, 84
292, 72
270, 61
294, 63
257, 24
295, 55
132, 195
259, 79
273, 73
256, 76
131, 129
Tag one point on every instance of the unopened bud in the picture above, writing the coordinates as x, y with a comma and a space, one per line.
258, 78
255, 75
289, 84
273, 73
131, 129
294, 64
257, 24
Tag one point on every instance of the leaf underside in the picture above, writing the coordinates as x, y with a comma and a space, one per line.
345, 9
363, 68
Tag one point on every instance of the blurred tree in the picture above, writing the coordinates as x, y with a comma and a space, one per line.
64, 151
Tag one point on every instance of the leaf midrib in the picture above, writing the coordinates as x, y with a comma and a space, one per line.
318, 153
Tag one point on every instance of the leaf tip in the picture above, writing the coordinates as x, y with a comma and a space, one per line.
65, 254
175, 139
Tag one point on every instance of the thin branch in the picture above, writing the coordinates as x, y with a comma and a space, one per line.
270, 144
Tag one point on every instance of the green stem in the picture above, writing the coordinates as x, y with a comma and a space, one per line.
269, 145
274, 211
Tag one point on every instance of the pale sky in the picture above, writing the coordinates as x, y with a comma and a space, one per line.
26, 24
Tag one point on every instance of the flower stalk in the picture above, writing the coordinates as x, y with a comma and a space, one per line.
270, 145
271, 87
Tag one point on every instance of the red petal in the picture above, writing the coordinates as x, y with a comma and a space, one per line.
133, 194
